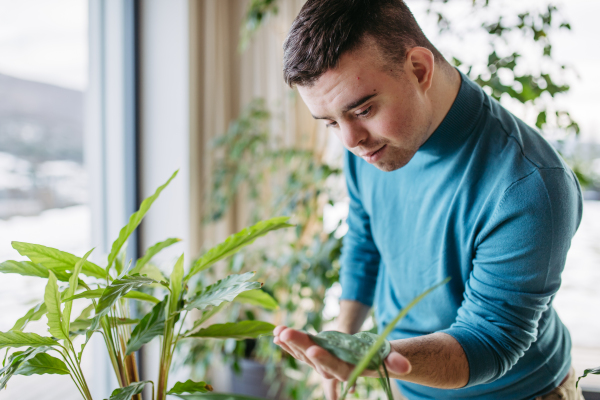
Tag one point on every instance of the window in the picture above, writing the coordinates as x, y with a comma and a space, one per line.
43, 185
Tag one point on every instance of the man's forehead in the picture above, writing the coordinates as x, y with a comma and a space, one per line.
338, 87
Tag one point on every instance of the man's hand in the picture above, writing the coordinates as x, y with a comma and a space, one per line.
301, 347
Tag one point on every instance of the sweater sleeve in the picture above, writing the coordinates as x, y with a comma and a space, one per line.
519, 257
360, 257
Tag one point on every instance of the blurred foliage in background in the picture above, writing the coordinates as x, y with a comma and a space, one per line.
297, 268
271, 178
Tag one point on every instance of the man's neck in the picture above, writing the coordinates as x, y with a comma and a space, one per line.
444, 89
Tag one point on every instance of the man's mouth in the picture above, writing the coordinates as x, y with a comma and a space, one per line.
374, 156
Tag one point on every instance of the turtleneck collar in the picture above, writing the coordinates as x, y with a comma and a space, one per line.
459, 122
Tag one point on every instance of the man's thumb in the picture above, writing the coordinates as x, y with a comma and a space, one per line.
397, 363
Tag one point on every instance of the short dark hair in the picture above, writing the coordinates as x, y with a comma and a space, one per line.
325, 29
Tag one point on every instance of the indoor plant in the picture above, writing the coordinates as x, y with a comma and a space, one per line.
115, 285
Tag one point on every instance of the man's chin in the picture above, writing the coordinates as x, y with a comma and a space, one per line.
389, 166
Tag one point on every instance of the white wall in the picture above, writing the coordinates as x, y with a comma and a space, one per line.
164, 136
164, 121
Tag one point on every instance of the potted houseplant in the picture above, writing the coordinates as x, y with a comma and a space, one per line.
108, 291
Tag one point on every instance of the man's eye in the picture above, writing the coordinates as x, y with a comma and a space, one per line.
331, 124
364, 113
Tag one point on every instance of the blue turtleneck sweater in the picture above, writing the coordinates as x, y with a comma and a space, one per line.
487, 201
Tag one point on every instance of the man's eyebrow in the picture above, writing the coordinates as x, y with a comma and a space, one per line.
352, 105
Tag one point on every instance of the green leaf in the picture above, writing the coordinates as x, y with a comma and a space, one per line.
235, 330
54, 313
24, 339
28, 268
191, 387
56, 260
42, 364
152, 325
34, 314
352, 348
16, 360
593, 371
225, 289
128, 391
375, 347
152, 271
236, 242
152, 251
216, 396
257, 297
83, 324
134, 221
176, 286
119, 288
97, 293
73, 281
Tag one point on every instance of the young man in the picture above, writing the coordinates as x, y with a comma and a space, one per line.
442, 181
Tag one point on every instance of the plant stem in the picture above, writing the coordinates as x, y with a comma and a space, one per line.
73, 373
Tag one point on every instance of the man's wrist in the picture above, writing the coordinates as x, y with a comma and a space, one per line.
351, 317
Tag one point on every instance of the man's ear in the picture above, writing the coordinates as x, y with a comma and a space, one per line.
419, 66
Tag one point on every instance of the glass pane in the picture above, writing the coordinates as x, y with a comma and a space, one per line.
43, 191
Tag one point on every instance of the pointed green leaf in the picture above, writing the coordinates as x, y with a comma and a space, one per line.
16, 360
225, 289
128, 391
236, 242
97, 293
119, 288
176, 285
134, 221
259, 298
56, 260
593, 371
375, 347
152, 325
25, 268
152, 251
24, 339
152, 271
28, 268
42, 364
190, 387
83, 324
34, 314
54, 313
73, 281
235, 330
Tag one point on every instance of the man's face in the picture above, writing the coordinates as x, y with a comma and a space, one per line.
379, 114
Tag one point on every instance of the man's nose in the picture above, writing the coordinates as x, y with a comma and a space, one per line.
352, 135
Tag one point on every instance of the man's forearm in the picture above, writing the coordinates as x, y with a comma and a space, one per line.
352, 316
437, 360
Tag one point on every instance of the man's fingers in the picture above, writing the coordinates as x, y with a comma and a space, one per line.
279, 329
297, 355
330, 387
296, 339
330, 365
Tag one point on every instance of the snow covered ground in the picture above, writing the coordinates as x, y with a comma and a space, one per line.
68, 229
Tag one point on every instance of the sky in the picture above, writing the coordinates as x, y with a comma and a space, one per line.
46, 40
